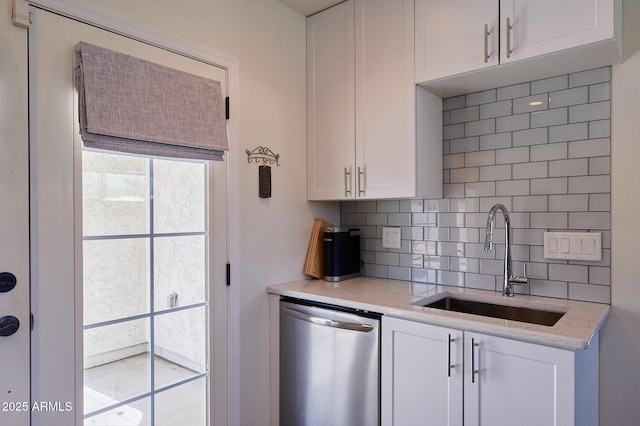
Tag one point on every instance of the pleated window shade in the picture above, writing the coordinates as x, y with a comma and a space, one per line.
131, 105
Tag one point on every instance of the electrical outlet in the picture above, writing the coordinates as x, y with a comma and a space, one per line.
391, 237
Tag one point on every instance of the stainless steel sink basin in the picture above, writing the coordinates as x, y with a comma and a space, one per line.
514, 313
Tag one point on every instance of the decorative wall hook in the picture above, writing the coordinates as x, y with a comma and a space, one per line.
263, 155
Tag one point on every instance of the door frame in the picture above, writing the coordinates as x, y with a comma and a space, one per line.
136, 31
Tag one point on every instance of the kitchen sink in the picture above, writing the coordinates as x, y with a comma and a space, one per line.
514, 313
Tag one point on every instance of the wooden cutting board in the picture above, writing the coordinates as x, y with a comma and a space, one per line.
313, 265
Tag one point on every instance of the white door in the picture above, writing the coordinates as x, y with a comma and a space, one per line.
508, 382
450, 37
385, 99
421, 374
14, 236
540, 27
331, 104
57, 231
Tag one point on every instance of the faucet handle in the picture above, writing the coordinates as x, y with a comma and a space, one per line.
523, 280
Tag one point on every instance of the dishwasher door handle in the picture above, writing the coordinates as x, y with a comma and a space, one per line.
326, 322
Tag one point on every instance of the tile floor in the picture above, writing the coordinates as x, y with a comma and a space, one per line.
129, 378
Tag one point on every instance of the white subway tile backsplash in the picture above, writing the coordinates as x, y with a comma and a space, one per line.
512, 155
467, 174
599, 202
589, 292
453, 190
552, 117
480, 127
589, 184
495, 141
569, 203
464, 114
548, 164
598, 129
600, 166
590, 148
563, 98
530, 170
600, 92
552, 151
515, 91
454, 103
453, 131
568, 132
530, 137
530, 103
575, 167
513, 122
550, 220
589, 112
502, 172
550, 84
462, 145
481, 97
583, 78
495, 109
534, 203
549, 288
549, 186
479, 158
480, 189
574, 273
512, 187
590, 220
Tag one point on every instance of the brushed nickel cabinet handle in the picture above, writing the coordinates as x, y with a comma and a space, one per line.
473, 360
449, 365
347, 181
360, 184
509, 28
486, 43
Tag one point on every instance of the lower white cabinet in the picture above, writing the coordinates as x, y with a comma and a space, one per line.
434, 375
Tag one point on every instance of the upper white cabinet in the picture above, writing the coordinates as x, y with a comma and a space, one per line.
443, 376
458, 38
371, 133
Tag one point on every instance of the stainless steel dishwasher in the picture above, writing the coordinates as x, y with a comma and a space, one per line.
329, 365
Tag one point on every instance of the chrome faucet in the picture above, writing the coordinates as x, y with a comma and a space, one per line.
509, 279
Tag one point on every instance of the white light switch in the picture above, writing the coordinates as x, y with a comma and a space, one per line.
573, 245
391, 237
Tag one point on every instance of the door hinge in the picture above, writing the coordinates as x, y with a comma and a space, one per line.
226, 107
228, 274
32, 321
20, 13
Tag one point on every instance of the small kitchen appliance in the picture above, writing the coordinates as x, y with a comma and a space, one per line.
341, 248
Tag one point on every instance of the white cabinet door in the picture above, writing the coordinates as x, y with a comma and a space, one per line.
515, 383
385, 99
540, 27
331, 104
421, 374
450, 37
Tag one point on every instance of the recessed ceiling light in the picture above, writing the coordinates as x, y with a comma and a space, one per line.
535, 103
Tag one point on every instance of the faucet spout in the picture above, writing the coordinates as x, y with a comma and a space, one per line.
509, 279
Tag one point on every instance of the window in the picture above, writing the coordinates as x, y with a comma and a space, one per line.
145, 290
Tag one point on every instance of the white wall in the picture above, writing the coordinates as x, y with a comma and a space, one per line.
620, 338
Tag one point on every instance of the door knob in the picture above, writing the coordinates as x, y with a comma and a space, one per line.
7, 281
8, 325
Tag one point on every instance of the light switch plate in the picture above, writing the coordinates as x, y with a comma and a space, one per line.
573, 245
391, 237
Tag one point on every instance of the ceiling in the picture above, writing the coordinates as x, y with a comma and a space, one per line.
309, 7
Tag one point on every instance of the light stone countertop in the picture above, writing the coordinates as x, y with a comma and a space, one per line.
574, 330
